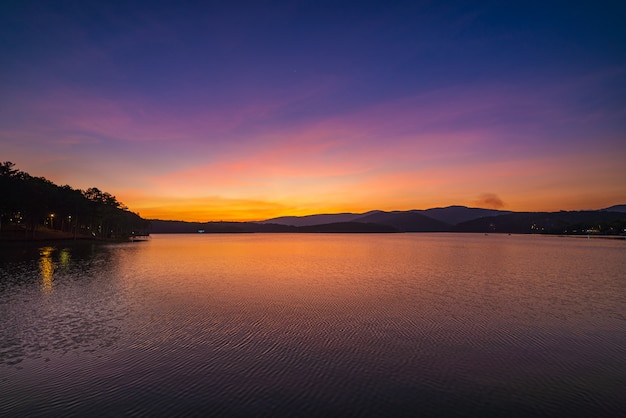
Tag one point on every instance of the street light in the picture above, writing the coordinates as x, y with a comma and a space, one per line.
52, 220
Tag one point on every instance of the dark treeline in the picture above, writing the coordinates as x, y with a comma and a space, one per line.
602, 222
29, 205
181, 227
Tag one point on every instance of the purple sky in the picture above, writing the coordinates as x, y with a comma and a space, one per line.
249, 110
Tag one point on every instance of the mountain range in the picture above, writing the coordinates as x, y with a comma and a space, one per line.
610, 220
443, 217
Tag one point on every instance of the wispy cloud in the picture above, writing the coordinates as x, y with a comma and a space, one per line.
489, 200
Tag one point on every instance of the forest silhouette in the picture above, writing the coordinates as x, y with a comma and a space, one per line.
36, 208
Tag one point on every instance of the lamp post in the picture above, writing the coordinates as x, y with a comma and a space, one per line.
52, 221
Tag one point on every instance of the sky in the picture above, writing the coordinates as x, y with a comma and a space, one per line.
237, 110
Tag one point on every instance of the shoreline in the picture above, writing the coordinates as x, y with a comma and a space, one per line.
56, 237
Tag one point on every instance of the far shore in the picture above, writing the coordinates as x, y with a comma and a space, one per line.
45, 235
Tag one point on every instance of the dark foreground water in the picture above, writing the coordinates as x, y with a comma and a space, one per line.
315, 325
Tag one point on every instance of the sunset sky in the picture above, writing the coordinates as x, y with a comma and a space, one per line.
236, 110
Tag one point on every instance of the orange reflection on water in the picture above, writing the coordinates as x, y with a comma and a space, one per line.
277, 273
46, 269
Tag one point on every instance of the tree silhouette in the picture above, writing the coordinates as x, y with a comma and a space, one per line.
29, 203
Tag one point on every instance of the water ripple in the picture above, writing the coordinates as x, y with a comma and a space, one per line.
315, 326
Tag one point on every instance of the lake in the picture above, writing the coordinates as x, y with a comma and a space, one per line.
315, 325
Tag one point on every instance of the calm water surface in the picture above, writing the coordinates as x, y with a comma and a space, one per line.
315, 325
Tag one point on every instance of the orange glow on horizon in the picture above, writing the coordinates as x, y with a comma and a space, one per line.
257, 192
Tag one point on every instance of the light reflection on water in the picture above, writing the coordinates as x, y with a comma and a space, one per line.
46, 269
264, 324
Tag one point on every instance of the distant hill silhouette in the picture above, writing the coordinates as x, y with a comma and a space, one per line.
574, 222
453, 215
312, 219
616, 208
450, 215
406, 221
611, 221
